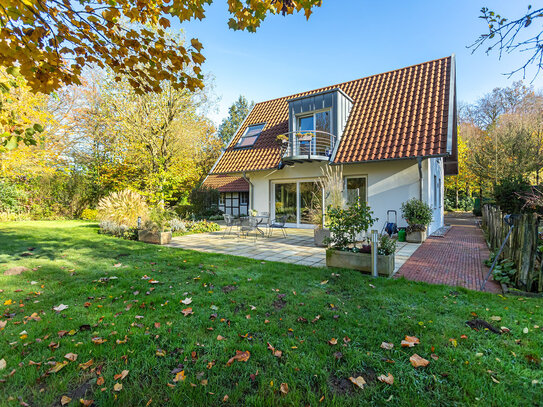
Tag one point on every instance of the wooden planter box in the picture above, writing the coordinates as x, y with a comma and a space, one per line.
415, 237
319, 236
360, 261
148, 236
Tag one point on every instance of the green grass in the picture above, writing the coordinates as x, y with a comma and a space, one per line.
70, 258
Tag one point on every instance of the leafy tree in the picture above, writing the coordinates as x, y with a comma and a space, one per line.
509, 191
464, 182
52, 41
513, 35
236, 114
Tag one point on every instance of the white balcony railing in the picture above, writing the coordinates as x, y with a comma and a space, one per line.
308, 144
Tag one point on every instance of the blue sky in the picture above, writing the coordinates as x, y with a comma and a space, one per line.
350, 39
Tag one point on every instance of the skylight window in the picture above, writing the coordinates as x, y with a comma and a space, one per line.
250, 136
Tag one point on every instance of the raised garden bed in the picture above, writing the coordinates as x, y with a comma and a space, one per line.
360, 261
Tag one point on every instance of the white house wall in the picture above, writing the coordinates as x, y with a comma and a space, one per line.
389, 184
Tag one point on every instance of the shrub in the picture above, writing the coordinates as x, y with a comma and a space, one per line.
204, 201
184, 211
9, 197
504, 271
89, 214
345, 224
177, 225
123, 208
508, 192
417, 214
386, 246
203, 226
159, 219
122, 231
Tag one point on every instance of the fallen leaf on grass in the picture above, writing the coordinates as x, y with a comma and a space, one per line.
65, 400
495, 318
3, 324
57, 367
3, 364
410, 341
359, 381
494, 379
121, 375
60, 307
86, 365
284, 388
418, 361
118, 387
225, 398
435, 357
389, 379
187, 300
86, 403
187, 311
98, 341
71, 356
387, 345
160, 352
179, 376
100, 381
240, 357
332, 341
220, 338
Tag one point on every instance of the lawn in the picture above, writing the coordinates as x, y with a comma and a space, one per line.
124, 313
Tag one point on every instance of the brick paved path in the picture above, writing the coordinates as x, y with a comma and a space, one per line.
455, 260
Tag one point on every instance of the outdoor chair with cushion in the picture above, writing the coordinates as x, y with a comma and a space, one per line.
230, 223
278, 223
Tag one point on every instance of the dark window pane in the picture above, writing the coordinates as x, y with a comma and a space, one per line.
356, 189
285, 201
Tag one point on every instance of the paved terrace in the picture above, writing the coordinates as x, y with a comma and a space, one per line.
296, 248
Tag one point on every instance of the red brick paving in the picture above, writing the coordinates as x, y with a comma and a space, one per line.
455, 260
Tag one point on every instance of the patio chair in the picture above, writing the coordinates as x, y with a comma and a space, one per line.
247, 225
230, 223
278, 223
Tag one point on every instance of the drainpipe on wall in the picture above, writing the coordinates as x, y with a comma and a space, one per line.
419, 162
251, 188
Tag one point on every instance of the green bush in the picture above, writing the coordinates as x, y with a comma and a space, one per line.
504, 271
508, 194
204, 201
417, 214
184, 211
386, 246
9, 197
89, 214
345, 224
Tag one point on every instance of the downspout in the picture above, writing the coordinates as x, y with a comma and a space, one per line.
419, 162
251, 188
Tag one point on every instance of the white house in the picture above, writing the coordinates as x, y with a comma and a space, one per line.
393, 134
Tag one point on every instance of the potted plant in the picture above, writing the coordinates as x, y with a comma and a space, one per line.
345, 225
418, 216
156, 230
332, 184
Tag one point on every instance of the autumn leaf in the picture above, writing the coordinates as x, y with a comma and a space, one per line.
240, 357
187, 311
220, 338
3, 364
100, 381
60, 307
284, 388
121, 375
332, 342
86, 365
179, 376
3, 324
410, 341
118, 387
387, 345
389, 379
418, 361
65, 400
57, 367
71, 357
98, 341
187, 300
160, 352
86, 403
359, 381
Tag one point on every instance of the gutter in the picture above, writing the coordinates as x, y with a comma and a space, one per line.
251, 189
452, 98
419, 163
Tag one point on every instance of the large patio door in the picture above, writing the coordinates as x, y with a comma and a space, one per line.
298, 200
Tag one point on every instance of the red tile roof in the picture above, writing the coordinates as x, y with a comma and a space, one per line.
225, 183
397, 114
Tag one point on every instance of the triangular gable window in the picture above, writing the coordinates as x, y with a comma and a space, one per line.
250, 136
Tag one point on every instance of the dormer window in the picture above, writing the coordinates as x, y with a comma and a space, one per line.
250, 136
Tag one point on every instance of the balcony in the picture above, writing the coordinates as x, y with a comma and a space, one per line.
306, 145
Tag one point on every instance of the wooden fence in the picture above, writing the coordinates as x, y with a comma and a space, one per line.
521, 248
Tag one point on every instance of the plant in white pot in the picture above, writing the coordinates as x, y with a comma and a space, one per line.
418, 216
332, 185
